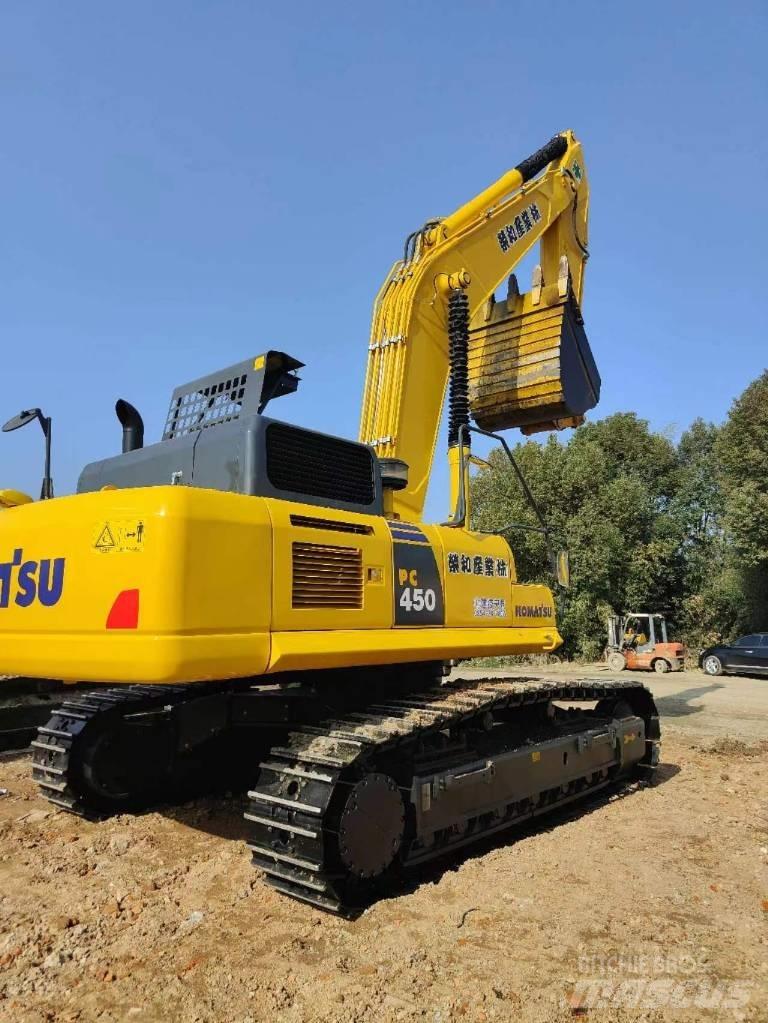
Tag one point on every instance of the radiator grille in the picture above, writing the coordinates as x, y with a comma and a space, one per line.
303, 462
327, 576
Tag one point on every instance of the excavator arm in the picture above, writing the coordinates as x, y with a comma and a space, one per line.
519, 371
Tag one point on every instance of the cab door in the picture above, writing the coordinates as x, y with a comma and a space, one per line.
762, 654
746, 654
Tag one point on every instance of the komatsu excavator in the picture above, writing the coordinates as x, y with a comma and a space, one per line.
265, 604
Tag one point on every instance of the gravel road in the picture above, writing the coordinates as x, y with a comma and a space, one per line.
648, 907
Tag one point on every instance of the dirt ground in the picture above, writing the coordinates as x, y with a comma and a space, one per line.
648, 907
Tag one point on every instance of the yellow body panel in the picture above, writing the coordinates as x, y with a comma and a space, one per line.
216, 580
13, 498
291, 651
376, 550
202, 566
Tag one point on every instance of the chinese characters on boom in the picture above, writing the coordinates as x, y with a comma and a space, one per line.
521, 225
476, 564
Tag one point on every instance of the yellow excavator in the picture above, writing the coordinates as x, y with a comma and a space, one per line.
266, 607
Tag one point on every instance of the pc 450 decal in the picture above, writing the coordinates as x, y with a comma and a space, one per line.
418, 591
28, 581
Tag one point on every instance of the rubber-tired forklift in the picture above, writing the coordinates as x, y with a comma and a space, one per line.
638, 641
269, 609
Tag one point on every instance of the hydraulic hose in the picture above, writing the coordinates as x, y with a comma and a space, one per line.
458, 383
537, 161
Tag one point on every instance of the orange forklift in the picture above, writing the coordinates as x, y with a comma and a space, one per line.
638, 641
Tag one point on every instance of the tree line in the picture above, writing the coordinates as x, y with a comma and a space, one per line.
651, 525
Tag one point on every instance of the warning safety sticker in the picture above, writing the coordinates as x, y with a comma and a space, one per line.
120, 536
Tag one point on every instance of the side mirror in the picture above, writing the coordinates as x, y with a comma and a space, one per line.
22, 419
563, 569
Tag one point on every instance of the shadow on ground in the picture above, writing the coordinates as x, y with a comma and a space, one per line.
223, 818
679, 704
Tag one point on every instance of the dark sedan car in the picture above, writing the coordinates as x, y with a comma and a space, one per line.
746, 656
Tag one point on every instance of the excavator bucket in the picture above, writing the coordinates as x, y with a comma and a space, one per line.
530, 364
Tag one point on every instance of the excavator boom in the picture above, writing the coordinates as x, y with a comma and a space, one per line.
475, 250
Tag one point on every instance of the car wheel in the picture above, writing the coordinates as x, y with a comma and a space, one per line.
661, 667
616, 661
713, 665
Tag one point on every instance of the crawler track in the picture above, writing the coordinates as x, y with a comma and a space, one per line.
25, 704
353, 786
138, 772
341, 809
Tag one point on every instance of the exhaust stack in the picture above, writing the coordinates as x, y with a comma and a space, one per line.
133, 425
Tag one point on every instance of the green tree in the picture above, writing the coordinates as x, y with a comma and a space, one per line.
742, 459
650, 525
712, 595
608, 493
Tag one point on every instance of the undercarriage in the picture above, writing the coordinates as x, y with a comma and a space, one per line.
25, 704
353, 778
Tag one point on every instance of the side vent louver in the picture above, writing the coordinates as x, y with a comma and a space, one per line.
327, 576
332, 525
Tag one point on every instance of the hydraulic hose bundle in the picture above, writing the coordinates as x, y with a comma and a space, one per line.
458, 384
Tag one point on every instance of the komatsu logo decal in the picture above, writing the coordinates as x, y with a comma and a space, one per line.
534, 611
30, 581
521, 225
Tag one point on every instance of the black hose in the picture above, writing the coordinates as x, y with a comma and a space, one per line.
407, 246
414, 238
458, 384
554, 149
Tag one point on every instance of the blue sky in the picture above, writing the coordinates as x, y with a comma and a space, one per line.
189, 183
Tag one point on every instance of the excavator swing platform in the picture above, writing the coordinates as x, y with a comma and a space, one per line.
261, 606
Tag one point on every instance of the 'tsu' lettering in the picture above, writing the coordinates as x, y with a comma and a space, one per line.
36, 580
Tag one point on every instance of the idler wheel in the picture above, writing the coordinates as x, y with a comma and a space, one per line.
123, 767
372, 826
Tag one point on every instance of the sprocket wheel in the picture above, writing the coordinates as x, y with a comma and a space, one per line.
372, 826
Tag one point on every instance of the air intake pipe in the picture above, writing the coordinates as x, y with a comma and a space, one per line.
132, 424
